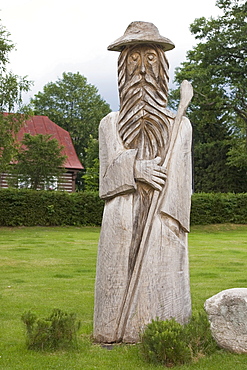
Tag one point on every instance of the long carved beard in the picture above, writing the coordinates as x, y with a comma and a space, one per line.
143, 123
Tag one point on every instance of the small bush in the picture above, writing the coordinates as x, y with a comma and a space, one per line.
165, 342
59, 331
170, 343
199, 335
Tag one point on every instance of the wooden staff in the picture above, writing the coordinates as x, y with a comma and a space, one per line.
186, 93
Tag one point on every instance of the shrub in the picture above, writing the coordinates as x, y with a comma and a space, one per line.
199, 335
25, 207
58, 331
165, 342
218, 208
170, 343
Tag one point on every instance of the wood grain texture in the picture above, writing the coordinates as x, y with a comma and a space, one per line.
163, 287
145, 179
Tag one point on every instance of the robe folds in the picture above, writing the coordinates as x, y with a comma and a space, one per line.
163, 289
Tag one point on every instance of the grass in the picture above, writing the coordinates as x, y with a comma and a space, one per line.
42, 268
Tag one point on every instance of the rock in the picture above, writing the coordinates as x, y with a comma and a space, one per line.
227, 313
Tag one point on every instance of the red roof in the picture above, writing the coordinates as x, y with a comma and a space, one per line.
43, 125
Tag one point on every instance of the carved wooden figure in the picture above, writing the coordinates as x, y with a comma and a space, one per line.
145, 179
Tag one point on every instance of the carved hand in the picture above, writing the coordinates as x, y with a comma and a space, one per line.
150, 172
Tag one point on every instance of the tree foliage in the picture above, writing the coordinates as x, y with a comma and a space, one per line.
39, 162
11, 90
5, 47
91, 177
9, 126
217, 69
75, 105
11, 85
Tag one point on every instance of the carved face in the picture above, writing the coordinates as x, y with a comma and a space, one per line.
143, 85
143, 60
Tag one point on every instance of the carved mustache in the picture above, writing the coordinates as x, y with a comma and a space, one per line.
142, 117
156, 90
141, 99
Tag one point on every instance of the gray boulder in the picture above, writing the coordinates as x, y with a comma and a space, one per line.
227, 314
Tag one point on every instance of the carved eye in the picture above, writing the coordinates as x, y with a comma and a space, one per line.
151, 57
135, 56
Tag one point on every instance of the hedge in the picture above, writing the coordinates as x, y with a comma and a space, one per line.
218, 208
49, 208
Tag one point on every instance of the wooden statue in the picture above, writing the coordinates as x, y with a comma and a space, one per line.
145, 179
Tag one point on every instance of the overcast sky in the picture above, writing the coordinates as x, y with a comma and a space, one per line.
56, 36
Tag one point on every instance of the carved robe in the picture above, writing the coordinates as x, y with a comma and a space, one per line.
163, 289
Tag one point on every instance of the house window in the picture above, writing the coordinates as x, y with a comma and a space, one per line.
49, 185
52, 184
24, 184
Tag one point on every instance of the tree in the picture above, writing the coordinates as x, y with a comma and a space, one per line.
75, 105
91, 177
9, 126
39, 162
11, 90
217, 69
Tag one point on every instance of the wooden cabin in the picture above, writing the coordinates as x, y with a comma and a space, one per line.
43, 125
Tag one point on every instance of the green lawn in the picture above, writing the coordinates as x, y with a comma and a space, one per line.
42, 268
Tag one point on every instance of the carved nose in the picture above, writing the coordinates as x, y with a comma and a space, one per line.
142, 69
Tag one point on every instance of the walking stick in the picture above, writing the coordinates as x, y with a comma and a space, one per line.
186, 93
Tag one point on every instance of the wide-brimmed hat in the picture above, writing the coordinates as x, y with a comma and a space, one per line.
141, 33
